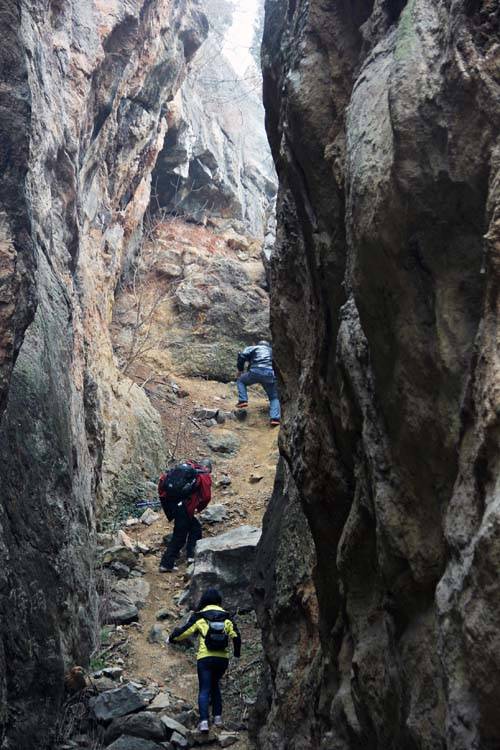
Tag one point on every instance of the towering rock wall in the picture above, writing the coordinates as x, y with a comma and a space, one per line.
216, 161
81, 103
383, 118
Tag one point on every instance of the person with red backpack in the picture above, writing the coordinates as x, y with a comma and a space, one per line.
184, 490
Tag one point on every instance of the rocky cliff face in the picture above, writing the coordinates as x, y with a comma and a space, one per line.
195, 299
81, 125
383, 119
216, 162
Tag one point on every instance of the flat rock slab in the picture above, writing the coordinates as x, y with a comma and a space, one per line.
134, 743
216, 513
223, 441
145, 725
171, 726
118, 702
226, 562
161, 703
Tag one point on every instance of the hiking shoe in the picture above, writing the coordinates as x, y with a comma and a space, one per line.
242, 405
190, 560
163, 569
203, 726
217, 721
275, 423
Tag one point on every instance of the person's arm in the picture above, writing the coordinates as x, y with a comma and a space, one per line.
161, 489
187, 630
234, 633
204, 491
243, 357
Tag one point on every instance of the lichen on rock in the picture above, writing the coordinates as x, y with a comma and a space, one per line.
383, 119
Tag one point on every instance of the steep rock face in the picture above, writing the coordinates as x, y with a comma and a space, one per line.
81, 126
216, 161
195, 299
383, 119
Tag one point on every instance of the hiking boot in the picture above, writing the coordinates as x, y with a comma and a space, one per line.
217, 721
242, 405
163, 569
275, 423
203, 726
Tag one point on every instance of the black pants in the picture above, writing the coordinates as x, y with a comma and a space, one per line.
186, 529
210, 671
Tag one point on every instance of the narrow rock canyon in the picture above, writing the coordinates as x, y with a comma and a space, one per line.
141, 246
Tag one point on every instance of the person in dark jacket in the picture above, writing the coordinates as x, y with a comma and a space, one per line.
260, 370
181, 510
212, 658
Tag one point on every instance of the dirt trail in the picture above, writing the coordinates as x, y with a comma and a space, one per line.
174, 668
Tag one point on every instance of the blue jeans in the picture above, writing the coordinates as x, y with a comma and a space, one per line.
210, 671
267, 380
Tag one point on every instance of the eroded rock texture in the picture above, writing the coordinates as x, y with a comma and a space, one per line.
83, 87
216, 162
383, 119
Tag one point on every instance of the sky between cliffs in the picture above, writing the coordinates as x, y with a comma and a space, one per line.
239, 38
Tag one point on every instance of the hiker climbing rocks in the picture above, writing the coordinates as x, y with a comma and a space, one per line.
215, 629
184, 490
260, 370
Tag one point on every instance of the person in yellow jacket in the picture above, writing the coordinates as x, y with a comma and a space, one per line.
215, 629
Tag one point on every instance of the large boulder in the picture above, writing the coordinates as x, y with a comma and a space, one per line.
146, 725
115, 703
226, 562
135, 590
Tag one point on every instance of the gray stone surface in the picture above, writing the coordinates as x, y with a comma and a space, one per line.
214, 513
160, 703
144, 724
205, 413
223, 441
171, 726
226, 562
118, 702
119, 570
226, 739
120, 610
156, 634
387, 226
136, 590
213, 164
134, 743
87, 84
120, 554
179, 741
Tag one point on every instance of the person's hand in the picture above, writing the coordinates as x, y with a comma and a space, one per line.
238, 375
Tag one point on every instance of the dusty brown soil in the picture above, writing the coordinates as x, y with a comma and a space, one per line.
174, 667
